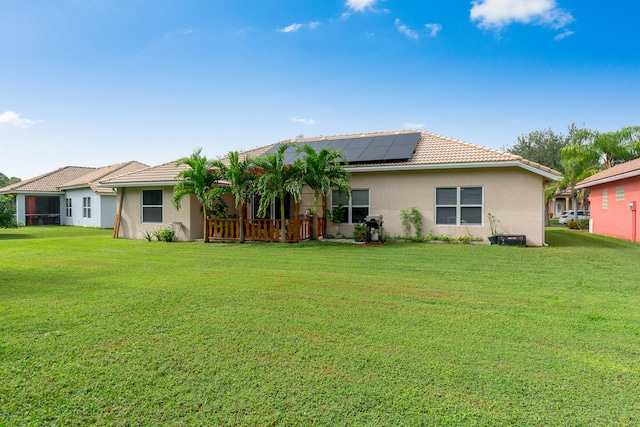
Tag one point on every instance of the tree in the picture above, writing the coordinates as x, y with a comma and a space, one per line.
543, 146
277, 180
4, 180
7, 212
610, 147
241, 178
198, 180
321, 171
576, 167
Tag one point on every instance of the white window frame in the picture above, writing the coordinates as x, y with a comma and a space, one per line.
349, 205
86, 207
69, 209
161, 206
459, 206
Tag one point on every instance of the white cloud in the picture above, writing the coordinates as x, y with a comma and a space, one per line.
413, 125
309, 122
293, 28
496, 14
434, 29
11, 118
314, 24
412, 34
564, 35
360, 5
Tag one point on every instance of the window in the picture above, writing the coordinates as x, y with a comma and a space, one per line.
605, 198
86, 207
152, 206
69, 208
459, 206
619, 193
356, 208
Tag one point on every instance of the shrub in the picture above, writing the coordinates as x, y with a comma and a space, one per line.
165, 234
359, 231
7, 213
581, 224
411, 216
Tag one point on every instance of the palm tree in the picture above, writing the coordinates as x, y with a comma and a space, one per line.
241, 178
576, 167
277, 179
198, 180
609, 147
322, 171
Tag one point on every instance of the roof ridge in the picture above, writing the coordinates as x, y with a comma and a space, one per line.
482, 147
19, 184
352, 135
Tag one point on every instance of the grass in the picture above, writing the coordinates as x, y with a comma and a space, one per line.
121, 332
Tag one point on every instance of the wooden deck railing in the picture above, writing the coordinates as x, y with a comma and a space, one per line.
262, 230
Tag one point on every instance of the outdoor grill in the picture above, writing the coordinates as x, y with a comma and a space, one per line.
374, 223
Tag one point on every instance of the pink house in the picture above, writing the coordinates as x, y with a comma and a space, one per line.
615, 194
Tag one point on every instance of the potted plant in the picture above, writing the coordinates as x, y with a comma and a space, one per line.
360, 231
493, 224
336, 216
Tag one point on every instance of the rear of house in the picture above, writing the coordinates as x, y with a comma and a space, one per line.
455, 186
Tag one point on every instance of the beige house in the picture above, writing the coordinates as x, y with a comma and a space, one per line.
455, 185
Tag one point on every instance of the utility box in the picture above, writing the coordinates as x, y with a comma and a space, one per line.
512, 240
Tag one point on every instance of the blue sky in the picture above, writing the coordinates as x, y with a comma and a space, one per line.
96, 82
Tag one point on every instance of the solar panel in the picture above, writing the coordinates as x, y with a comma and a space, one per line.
364, 148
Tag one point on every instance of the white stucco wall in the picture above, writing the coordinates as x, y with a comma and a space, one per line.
107, 210
513, 195
77, 218
189, 215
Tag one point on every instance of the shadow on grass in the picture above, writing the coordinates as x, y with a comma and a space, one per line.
16, 236
563, 237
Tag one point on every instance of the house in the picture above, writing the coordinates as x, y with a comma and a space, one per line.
144, 202
68, 196
614, 195
455, 185
562, 201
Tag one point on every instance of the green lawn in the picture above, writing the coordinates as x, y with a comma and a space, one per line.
119, 332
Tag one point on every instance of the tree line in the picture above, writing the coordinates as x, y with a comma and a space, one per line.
577, 154
268, 176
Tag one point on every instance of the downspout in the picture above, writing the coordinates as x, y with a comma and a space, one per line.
116, 225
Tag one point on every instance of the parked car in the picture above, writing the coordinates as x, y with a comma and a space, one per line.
569, 215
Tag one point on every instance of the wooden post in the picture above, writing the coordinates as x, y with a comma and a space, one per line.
116, 225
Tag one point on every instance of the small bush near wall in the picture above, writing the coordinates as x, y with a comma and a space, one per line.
581, 224
165, 234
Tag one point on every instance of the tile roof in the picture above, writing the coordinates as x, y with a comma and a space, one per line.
92, 178
617, 172
163, 173
49, 182
432, 149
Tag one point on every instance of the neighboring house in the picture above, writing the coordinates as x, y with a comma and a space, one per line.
452, 183
614, 195
68, 196
563, 202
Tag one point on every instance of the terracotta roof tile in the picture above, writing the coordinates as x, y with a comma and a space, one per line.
165, 172
434, 149
631, 167
49, 182
92, 178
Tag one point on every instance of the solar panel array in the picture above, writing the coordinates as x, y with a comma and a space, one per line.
365, 148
